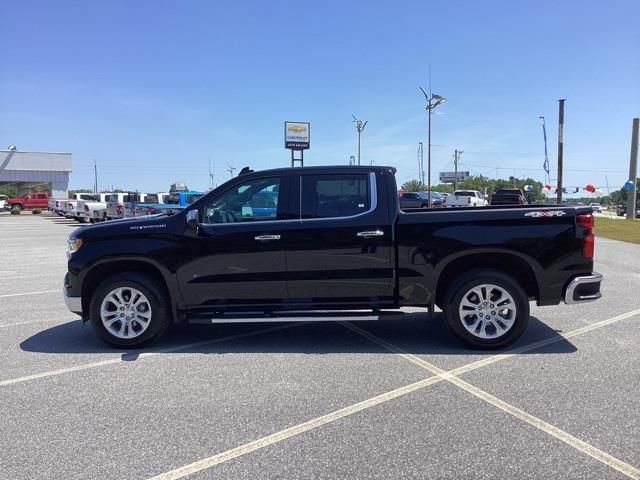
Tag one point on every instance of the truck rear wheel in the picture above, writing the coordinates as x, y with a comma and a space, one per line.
129, 310
487, 309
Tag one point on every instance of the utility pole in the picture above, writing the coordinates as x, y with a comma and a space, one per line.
95, 174
359, 127
456, 157
633, 170
560, 148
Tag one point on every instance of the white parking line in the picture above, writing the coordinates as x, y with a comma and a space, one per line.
548, 428
87, 366
292, 431
17, 324
59, 290
276, 437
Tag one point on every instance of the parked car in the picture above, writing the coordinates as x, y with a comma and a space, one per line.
3, 199
621, 210
596, 207
335, 244
413, 200
29, 200
87, 210
508, 196
465, 198
116, 203
69, 209
55, 205
436, 198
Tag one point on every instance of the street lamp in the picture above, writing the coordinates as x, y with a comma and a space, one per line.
432, 102
359, 127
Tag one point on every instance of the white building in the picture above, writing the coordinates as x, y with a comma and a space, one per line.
27, 170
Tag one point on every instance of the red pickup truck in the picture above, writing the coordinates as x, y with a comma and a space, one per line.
29, 200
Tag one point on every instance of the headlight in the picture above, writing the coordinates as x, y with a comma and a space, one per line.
73, 245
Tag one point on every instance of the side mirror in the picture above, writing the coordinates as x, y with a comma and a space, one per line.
193, 219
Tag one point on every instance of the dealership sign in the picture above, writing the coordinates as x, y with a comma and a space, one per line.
450, 177
297, 135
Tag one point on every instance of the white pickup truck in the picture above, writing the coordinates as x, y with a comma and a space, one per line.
465, 198
89, 210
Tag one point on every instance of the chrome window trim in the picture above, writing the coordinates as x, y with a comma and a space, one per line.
373, 201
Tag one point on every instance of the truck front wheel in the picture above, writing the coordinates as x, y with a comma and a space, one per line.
128, 310
16, 206
487, 309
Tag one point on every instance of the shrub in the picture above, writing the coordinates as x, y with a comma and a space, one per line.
36, 211
15, 211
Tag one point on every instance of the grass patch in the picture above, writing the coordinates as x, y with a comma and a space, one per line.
623, 229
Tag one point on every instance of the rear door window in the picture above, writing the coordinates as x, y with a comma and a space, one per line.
336, 195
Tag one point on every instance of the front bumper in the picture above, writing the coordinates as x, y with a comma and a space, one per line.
74, 304
585, 288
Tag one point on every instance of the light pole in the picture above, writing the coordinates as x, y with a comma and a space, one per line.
421, 162
359, 127
432, 102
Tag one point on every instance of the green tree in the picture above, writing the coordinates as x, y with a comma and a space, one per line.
9, 191
414, 186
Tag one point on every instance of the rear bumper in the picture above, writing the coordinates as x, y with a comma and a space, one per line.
585, 288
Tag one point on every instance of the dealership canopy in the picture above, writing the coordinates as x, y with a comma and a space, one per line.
28, 170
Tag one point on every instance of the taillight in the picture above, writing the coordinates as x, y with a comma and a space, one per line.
469, 200
588, 246
119, 209
151, 210
86, 208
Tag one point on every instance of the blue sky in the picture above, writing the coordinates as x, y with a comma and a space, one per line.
153, 90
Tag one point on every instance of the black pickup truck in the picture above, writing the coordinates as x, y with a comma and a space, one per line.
327, 243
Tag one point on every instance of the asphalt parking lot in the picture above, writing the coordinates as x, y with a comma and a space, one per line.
320, 400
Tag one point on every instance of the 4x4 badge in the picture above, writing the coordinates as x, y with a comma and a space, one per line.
551, 213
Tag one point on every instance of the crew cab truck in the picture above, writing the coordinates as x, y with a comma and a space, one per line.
335, 244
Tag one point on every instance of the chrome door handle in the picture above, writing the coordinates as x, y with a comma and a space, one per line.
266, 238
371, 233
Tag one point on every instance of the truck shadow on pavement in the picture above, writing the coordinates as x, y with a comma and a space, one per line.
417, 335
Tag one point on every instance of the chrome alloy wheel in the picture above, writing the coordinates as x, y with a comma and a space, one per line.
125, 312
487, 311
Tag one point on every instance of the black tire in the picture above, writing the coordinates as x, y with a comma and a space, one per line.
458, 290
424, 205
159, 322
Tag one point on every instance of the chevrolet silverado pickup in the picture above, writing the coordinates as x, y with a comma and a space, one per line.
333, 244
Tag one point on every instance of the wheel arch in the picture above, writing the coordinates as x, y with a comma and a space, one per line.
525, 270
102, 270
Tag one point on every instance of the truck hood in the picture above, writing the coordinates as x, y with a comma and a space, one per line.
126, 226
